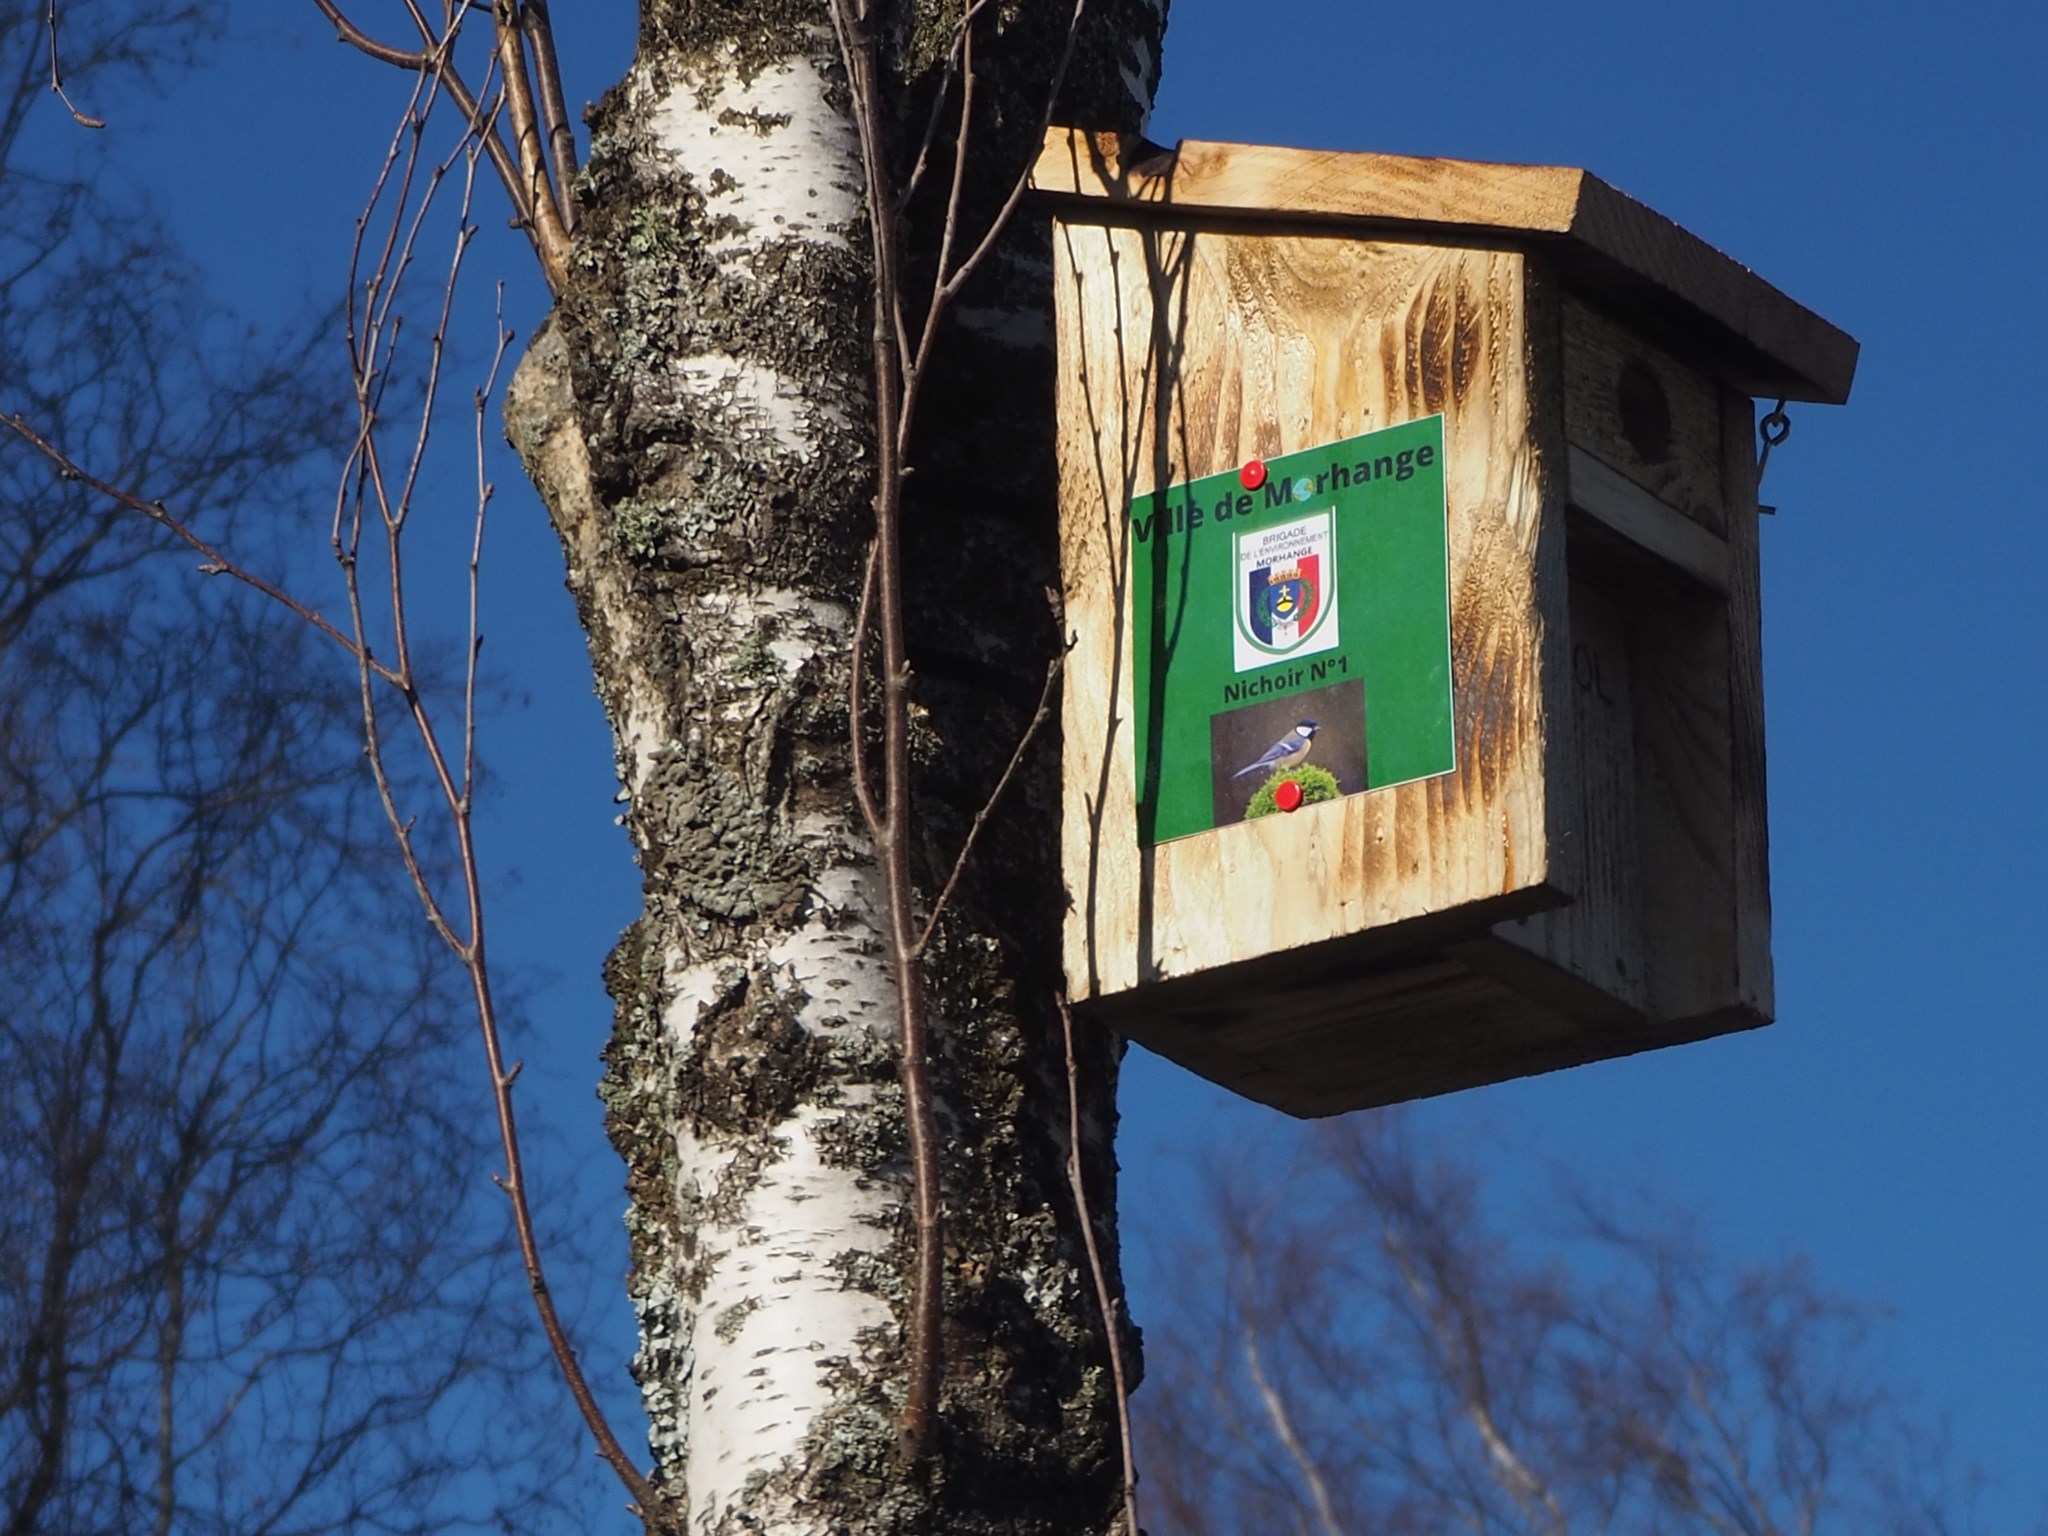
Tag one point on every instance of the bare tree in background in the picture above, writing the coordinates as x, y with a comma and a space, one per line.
1359, 1350
249, 1273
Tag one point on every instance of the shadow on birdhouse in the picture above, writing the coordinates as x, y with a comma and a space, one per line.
1413, 727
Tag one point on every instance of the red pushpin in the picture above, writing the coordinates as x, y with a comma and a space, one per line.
1287, 795
1252, 476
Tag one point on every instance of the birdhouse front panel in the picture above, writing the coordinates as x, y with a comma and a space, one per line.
1250, 421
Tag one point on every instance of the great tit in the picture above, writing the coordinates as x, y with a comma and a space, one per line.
1286, 752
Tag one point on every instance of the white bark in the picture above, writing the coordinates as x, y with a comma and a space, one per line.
772, 158
778, 1308
775, 1319
698, 422
785, 1231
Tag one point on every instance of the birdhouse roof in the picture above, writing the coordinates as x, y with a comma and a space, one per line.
1627, 257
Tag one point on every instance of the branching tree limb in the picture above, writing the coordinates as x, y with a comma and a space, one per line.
1399, 1365
241, 1270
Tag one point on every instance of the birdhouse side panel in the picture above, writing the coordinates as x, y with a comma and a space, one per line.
1188, 352
1755, 986
1669, 934
1644, 414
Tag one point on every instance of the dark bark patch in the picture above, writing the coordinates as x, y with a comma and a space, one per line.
868, 1137
751, 1065
708, 835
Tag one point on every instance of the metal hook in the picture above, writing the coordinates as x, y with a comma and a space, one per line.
1773, 429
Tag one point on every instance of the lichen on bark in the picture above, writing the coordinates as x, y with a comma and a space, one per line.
696, 418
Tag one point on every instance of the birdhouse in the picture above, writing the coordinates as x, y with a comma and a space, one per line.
1413, 729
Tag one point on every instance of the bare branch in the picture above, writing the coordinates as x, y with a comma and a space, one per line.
946, 287
856, 704
483, 122
550, 234
926, 1344
215, 562
540, 38
437, 57
1439, 1375
372, 336
1283, 1430
898, 372
474, 650
383, 53
1038, 719
57, 77
948, 72
1104, 1302
1450, 1319
951, 286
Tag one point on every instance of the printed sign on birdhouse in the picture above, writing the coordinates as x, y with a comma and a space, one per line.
1276, 598
1412, 734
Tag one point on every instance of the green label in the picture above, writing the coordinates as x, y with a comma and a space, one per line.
1293, 638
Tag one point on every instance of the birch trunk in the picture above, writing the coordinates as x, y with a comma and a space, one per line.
696, 416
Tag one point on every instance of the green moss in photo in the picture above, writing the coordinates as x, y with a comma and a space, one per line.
1317, 784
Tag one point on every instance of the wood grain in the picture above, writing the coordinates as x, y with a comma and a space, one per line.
1609, 368
1754, 987
1758, 339
1187, 352
1598, 939
1632, 513
1593, 879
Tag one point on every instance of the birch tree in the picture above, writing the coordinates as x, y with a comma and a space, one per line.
700, 417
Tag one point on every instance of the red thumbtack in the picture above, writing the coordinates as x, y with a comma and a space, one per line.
1287, 795
1253, 475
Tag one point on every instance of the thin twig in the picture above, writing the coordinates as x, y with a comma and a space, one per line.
856, 701
215, 562
547, 68
956, 190
926, 1344
356, 37
476, 559
437, 57
369, 342
550, 235
484, 124
945, 288
374, 334
944, 89
1290, 1440
57, 78
899, 370
1103, 1300
1022, 184
1038, 719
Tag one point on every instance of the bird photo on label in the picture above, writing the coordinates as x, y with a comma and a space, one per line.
1284, 753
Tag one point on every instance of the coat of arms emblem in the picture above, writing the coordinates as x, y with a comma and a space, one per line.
1286, 592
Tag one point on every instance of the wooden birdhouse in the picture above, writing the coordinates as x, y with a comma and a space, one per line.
1413, 725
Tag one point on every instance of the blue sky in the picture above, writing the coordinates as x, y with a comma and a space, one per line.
1883, 164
